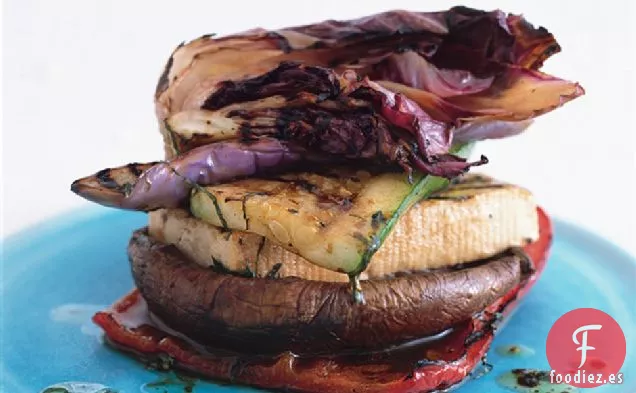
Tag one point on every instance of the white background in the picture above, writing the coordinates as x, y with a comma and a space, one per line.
79, 77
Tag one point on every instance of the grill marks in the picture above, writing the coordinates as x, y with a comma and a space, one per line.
351, 134
163, 82
114, 179
332, 59
244, 206
460, 38
110, 186
280, 40
318, 106
134, 168
321, 115
105, 179
341, 199
341, 115
465, 188
288, 79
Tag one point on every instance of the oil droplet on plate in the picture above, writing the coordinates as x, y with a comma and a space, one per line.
79, 314
75, 313
514, 350
532, 381
78, 387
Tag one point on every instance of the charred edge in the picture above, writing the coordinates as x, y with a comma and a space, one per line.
163, 82
244, 208
275, 272
488, 328
281, 42
258, 254
172, 138
480, 262
301, 183
134, 169
317, 45
491, 320
206, 36
377, 219
458, 198
218, 267
242, 113
230, 92
105, 179
245, 133
237, 368
526, 263
288, 79
76, 186
286, 117
472, 179
360, 237
550, 50
419, 364
292, 211
344, 202
477, 186
350, 33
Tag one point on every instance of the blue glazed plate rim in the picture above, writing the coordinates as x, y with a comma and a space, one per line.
12, 246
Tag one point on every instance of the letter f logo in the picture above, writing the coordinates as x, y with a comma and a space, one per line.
584, 347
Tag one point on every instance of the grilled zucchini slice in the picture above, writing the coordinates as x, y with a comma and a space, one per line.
337, 221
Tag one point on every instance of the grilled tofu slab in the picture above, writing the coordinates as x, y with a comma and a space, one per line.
473, 219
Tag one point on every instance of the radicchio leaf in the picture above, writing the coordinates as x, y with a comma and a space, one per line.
414, 70
459, 66
395, 88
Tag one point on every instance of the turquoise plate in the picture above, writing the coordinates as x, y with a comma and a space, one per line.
57, 274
